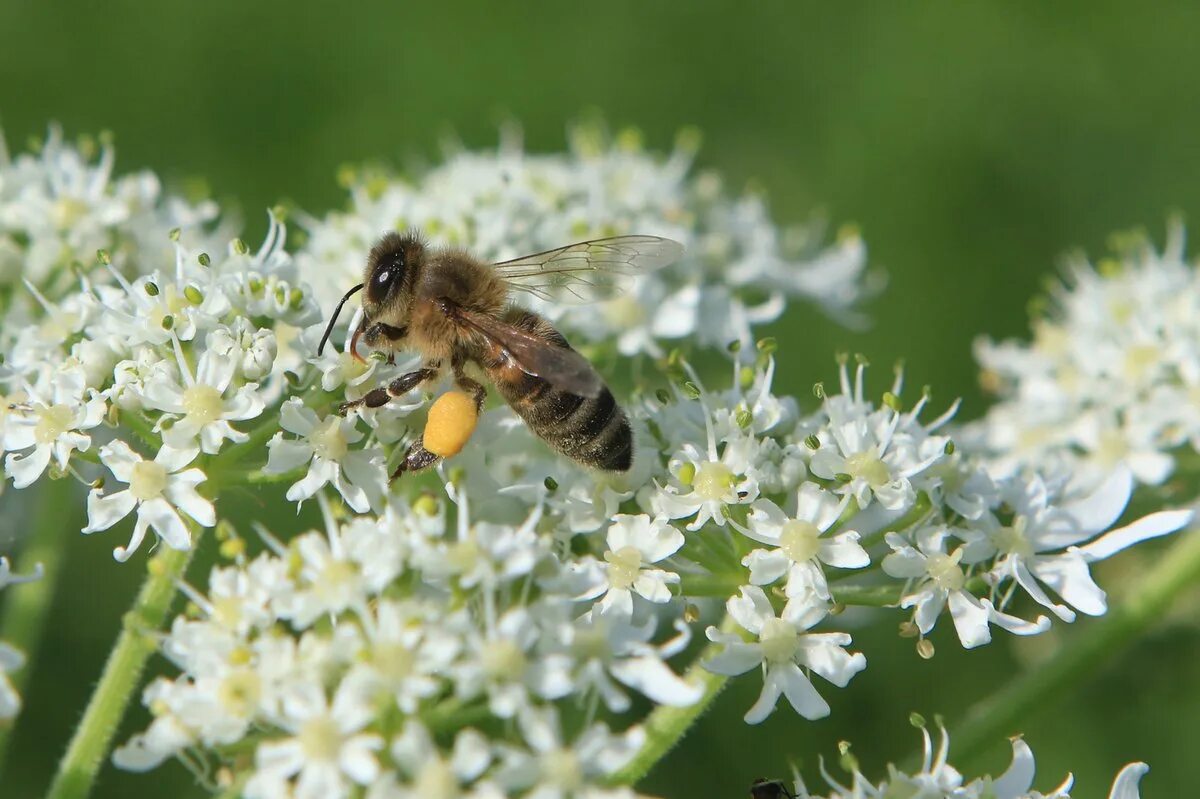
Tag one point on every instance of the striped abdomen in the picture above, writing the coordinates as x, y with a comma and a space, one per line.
591, 430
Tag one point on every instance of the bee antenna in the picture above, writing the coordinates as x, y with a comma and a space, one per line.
333, 320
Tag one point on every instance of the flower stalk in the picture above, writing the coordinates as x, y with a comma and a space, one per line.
121, 676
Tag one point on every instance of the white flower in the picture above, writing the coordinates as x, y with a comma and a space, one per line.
859, 455
554, 768
429, 774
484, 553
357, 474
51, 426
1054, 543
707, 483
1111, 375
166, 736
633, 543
201, 406
408, 649
328, 752
1017, 781
936, 778
799, 548
940, 580
503, 664
606, 649
61, 204
784, 645
158, 490
251, 349
339, 570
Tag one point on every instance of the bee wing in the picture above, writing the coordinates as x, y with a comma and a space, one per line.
563, 368
588, 271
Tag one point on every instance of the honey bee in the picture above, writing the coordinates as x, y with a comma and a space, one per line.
454, 309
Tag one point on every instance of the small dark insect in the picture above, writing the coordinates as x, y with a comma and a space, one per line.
770, 789
453, 309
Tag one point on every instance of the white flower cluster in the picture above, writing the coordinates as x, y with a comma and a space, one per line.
343, 654
476, 635
937, 779
529, 588
61, 204
170, 360
1112, 375
738, 270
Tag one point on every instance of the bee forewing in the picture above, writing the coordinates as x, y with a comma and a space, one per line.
588, 271
561, 367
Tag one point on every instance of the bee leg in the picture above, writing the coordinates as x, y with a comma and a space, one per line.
473, 387
403, 384
416, 459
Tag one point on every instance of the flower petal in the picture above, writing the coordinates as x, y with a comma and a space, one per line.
650, 676
1068, 575
1016, 781
766, 566
970, 619
105, 510
1152, 526
843, 551
1104, 506
799, 691
765, 704
165, 521
1126, 784
27, 468
284, 455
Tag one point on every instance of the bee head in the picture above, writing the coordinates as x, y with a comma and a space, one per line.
391, 272
392, 267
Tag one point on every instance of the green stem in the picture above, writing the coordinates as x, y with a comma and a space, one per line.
874, 596
1035, 690
26, 605
666, 726
711, 585
122, 672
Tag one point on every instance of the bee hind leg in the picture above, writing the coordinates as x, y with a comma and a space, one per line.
473, 387
416, 459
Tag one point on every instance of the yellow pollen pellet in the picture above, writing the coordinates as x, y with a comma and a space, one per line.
452, 419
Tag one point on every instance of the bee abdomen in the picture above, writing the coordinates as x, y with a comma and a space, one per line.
591, 430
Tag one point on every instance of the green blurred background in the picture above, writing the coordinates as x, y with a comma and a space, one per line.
972, 142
